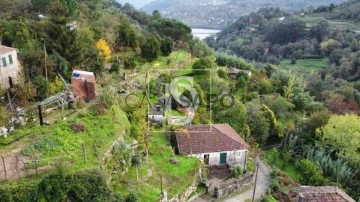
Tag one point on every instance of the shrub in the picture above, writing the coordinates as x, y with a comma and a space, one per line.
78, 127
42, 87
311, 174
132, 197
222, 73
25, 92
129, 64
237, 172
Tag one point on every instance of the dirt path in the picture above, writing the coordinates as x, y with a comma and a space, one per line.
262, 185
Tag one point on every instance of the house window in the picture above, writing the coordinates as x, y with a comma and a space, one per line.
4, 61
10, 59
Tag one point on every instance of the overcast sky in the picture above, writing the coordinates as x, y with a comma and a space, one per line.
137, 3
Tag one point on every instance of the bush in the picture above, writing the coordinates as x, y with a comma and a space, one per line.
129, 63
25, 92
311, 174
237, 172
115, 67
132, 197
78, 127
166, 46
222, 73
42, 87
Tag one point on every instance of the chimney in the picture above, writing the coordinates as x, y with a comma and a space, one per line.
301, 198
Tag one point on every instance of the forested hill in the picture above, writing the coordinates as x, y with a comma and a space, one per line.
324, 44
348, 10
220, 13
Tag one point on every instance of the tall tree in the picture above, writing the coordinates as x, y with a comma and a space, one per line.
166, 46
59, 36
151, 49
126, 35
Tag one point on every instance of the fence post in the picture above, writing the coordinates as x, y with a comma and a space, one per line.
3, 160
84, 153
40, 115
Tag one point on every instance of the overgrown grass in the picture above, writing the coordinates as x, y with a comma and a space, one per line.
274, 158
305, 66
175, 178
60, 142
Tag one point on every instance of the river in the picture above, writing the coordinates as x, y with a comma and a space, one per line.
203, 33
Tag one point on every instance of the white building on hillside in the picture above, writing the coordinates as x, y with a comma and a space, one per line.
9, 67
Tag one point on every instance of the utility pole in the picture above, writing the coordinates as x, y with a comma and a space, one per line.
256, 176
46, 73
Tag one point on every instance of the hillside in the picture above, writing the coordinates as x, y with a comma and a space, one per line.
292, 95
218, 14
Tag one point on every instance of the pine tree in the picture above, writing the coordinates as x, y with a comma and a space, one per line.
59, 36
151, 49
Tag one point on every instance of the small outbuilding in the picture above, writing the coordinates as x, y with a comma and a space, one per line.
234, 72
84, 84
216, 144
156, 114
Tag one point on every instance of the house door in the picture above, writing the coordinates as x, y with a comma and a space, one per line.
206, 159
223, 158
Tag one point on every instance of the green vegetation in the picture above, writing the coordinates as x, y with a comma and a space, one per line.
305, 66
274, 158
175, 177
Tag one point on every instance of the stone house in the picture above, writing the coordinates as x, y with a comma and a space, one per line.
9, 67
216, 144
321, 193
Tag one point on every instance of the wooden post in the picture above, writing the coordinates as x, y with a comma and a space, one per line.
147, 157
40, 115
3, 160
161, 186
46, 73
84, 153
9, 98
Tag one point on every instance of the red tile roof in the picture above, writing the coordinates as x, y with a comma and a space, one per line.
208, 139
5, 49
321, 194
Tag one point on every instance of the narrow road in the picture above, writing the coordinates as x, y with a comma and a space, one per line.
263, 183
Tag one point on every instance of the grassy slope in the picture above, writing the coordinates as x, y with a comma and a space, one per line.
305, 66
176, 178
49, 143
289, 168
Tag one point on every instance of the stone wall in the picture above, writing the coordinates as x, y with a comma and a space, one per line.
14, 166
234, 185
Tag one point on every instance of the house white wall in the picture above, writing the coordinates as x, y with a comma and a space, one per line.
155, 118
233, 158
9, 69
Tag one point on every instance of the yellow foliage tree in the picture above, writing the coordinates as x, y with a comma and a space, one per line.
104, 49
